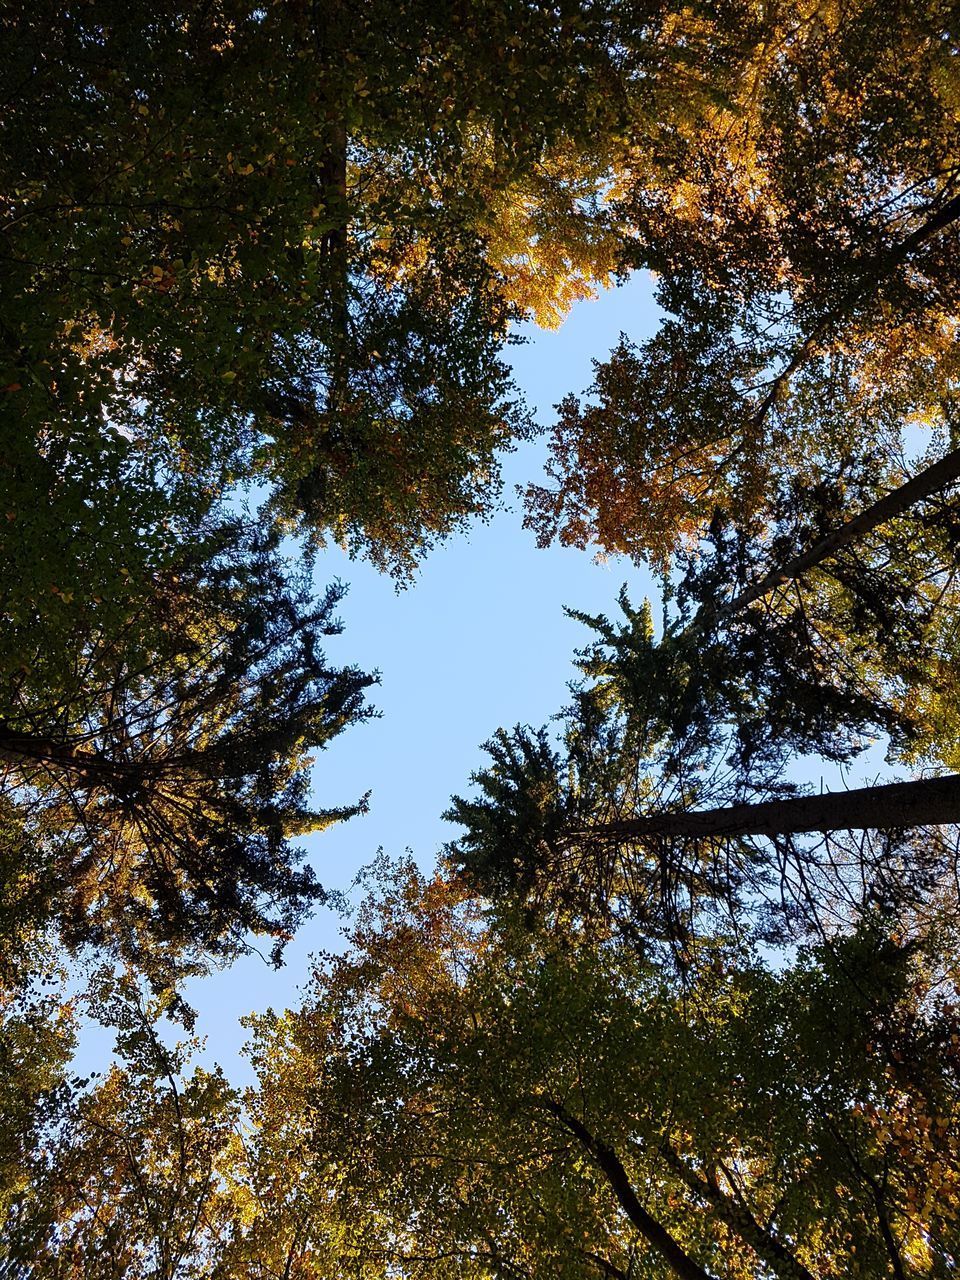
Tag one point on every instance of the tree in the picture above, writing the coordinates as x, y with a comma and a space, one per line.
804, 232
927, 482
605, 1068
505, 1103
129, 1183
667, 804
462, 1094
857, 626
156, 792
896, 805
286, 242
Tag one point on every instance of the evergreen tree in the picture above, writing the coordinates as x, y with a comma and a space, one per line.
668, 803
154, 797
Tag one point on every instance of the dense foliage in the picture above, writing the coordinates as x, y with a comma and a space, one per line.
462, 1096
661, 1011
156, 790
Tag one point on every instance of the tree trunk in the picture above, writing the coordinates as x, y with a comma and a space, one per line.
609, 1163
87, 768
738, 1218
929, 481
19, 749
329, 21
896, 805
333, 184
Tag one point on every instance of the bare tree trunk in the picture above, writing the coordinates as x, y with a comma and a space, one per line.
894, 806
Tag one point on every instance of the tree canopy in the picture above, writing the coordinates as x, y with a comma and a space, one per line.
661, 1010
460, 1095
803, 230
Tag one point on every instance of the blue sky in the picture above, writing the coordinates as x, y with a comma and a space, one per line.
479, 641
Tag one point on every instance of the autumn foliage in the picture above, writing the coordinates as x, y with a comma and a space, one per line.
661, 1008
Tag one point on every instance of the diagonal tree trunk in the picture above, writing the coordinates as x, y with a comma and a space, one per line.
610, 1165
873, 275
764, 1242
927, 482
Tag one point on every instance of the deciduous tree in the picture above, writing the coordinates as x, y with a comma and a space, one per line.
803, 228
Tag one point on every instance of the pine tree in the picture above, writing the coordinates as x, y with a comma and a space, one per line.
159, 794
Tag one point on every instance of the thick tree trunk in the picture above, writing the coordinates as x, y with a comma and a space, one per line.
86, 768
896, 805
21, 749
929, 481
944, 216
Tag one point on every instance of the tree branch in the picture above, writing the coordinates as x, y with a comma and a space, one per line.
610, 1165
